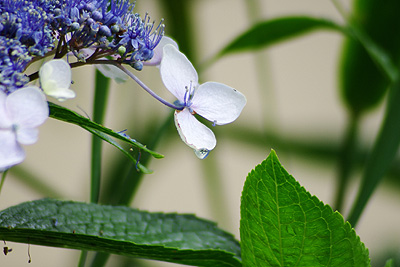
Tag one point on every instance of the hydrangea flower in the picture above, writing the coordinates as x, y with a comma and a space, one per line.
21, 112
214, 101
55, 79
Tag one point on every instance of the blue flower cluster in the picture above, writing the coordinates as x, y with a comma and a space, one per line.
37, 28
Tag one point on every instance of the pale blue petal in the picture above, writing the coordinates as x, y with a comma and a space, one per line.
194, 133
177, 73
11, 153
158, 51
27, 107
218, 102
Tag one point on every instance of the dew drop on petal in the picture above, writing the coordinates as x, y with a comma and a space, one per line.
202, 153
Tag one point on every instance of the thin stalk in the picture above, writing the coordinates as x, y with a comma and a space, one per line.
99, 108
263, 71
382, 155
346, 160
82, 259
132, 76
3, 178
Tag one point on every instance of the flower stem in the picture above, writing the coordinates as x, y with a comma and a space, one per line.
147, 89
347, 158
383, 152
99, 104
3, 178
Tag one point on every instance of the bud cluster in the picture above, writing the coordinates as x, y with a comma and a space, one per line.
32, 29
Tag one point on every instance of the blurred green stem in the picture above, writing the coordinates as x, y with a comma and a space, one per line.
82, 258
263, 69
3, 178
346, 160
382, 154
99, 107
216, 197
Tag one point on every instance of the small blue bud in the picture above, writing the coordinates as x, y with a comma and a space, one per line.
115, 28
75, 26
104, 31
90, 7
137, 65
96, 15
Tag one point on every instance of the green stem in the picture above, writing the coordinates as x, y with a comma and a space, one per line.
215, 193
99, 106
263, 72
100, 259
3, 178
382, 155
100, 102
347, 159
82, 259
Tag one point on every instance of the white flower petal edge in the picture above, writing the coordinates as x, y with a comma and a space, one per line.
113, 72
177, 73
194, 133
27, 107
55, 79
218, 102
23, 111
11, 152
158, 51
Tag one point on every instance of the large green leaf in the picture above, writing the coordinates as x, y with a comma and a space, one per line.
283, 225
175, 238
64, 114
273, 31
363, 83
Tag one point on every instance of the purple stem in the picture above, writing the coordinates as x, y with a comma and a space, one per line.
136, 79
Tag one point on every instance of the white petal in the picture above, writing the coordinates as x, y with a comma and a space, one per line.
158, 51
218, 102
112, 72
5, 120
27, 107
55, 79
27, 136
194, 133
177, 73
11, 153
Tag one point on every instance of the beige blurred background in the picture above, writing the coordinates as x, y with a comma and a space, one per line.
302, 99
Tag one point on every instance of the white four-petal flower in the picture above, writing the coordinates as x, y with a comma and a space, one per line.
55, 79
20, 113
214, 101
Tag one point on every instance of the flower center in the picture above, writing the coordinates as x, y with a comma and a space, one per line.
187, 99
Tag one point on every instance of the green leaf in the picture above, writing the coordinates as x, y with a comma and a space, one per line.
270, 32
176, 238
64, 114
283, 225
363, 83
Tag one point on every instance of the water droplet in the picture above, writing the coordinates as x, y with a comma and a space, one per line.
202, 153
